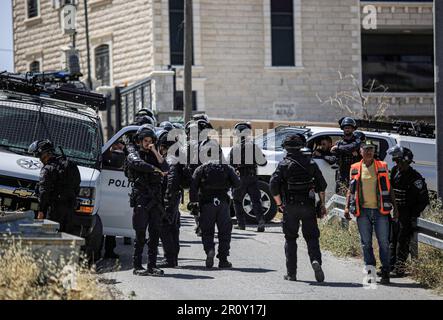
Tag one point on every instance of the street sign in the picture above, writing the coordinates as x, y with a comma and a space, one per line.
67, 18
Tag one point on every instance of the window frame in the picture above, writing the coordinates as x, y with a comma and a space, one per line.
27, 17
93, 64
39, 61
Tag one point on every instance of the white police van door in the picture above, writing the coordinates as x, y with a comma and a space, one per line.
115, 210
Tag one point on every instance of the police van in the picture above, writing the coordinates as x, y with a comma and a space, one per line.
51, 106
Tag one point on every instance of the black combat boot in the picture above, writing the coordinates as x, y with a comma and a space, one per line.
224, 263
385, 278
154, 272
137, 265
290, 277
166, 264
240, 227
319, 275
210, 258
261, 226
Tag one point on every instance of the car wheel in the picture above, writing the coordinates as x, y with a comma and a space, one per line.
267, 202
93, 241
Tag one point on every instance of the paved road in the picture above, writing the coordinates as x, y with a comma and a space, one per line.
258, 260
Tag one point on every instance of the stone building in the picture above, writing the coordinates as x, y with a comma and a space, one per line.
258, 59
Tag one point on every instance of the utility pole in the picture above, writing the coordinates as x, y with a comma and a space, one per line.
85, 4
438, 56
187, 94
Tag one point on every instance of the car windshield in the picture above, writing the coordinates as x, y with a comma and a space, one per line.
273, 139
77, 134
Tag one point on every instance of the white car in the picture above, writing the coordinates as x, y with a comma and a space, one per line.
423, 149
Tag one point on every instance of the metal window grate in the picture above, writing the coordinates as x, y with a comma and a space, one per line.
22, 123
102, 71
32, 8
34, 66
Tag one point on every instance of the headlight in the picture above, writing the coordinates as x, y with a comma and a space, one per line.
88, 193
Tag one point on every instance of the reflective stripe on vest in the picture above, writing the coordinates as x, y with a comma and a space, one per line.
383, 187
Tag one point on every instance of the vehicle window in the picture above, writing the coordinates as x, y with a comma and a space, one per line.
274, 139
381, 147
78, 135
113, 157
314, 143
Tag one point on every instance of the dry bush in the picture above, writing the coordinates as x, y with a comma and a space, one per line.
434, 212
352, 98
427, 269
27, 276
340, 238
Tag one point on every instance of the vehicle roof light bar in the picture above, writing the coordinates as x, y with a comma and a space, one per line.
405, 128
55, 85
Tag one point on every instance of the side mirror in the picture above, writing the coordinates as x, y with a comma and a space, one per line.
117, 159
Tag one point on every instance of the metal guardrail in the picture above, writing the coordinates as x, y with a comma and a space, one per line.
428, 232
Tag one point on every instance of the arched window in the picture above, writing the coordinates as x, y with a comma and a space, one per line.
34, 66
33, 7
102, 65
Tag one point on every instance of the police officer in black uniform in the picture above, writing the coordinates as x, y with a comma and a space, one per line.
58, 187
347, 151
195, 130
293, 185
245, 156
145, 167
411, 197
209, 194
172, 193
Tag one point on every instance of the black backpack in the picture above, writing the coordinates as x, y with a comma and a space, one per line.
215, 176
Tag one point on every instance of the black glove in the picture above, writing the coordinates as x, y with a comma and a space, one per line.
193, 207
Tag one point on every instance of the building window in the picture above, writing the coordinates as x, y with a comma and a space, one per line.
33, 8
176, 31
401, 62
179, 103
102, 65
34, 66
282, 33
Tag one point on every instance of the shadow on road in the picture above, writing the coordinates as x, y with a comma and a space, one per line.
252, 270
333, 284
186, 276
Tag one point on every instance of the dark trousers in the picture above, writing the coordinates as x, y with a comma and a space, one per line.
210, 216
400, 239
146, 217
248, 185
109, 243
170, 234
292, 216
63, 214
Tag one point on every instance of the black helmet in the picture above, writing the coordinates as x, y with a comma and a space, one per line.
166, 125
347, 121
37, 148
200, 116
141, 120
163, 139
209, 145
204, 124
177, 125
401, 153
294, 142
146, 131
145, 112
360, 136
240, 127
